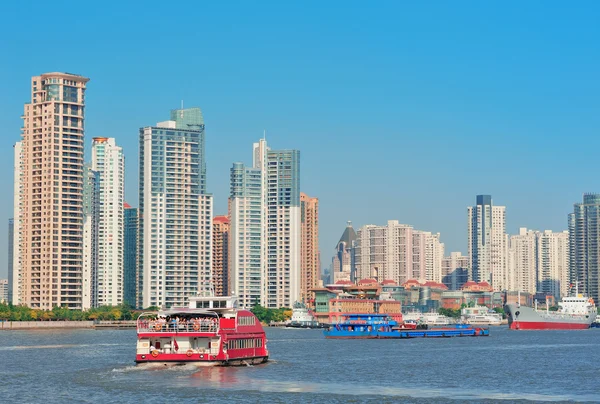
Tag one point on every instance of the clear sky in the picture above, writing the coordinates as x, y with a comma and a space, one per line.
401, 110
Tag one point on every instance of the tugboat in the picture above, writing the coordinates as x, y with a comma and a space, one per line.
212, 331
302, 318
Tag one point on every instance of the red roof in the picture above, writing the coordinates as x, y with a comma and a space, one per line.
389, 282
344, 282
221, 219
367, 281
126, 205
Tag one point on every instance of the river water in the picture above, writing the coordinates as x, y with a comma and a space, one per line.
84, 366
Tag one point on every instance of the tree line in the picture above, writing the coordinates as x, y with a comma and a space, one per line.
10, 312
266, 315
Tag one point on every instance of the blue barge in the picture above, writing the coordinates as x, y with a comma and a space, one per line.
381, 326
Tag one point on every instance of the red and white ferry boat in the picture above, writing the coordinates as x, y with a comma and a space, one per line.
212, 331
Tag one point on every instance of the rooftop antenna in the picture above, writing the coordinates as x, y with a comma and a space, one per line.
181, 114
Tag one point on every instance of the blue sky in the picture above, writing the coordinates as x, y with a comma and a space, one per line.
401, 110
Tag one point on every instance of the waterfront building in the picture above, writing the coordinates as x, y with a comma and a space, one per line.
266, 228
109, 163
455, 270
553, 263
48, 209
522, 266
4, 285
310, 272
487, 242
221, 255
584, 245
11, 235
175, 210
91, 222
130, 255
342, 266
397, 252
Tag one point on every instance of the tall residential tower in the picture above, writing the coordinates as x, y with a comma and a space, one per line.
48, 209
108, 162
175, 210
487, 242
310, 267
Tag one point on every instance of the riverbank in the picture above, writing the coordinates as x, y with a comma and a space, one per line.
38, 325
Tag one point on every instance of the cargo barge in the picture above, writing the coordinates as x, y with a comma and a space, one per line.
381, 326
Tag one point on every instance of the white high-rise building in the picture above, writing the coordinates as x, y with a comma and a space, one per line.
553, 263
109, 163
397, 252
522, 266
265, 199
175, 211
487, 240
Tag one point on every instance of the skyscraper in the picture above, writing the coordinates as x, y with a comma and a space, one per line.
522, 266
310, 271
130, 255
175, 210
11, 236
49, 200
221, 255
584, 246
247, 227
397, 252
265, 227
342, 264
91, 220
15, 275
553, 263
487, 241
108, 162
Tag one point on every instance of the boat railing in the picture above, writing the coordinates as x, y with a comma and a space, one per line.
208, 325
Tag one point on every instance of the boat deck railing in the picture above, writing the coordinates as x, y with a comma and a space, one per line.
192, 327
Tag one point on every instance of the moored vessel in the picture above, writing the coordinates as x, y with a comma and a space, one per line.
212, 331
480, 315
381, 326
302, 318
574, 313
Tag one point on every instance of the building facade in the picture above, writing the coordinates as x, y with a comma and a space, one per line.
266, 228
130, 255
91, 221
310, 271
584, 247
221, 255
49, 198
342, 264
175, 210
522, 265
15, 275
397, 252
11, 235
553, 263
487, 242
109, 163
455, 270
4, 285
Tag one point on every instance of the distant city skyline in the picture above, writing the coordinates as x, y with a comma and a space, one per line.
394, 121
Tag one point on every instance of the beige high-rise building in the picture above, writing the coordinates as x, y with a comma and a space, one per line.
220, 264
49, 200
522, 263
310, 272
455, 270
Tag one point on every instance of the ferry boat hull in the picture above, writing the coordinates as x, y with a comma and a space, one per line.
527, 318
211, 332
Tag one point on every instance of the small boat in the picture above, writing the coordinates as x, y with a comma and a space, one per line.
382, 326
302, 318
480, 315
430, 318
212, 331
